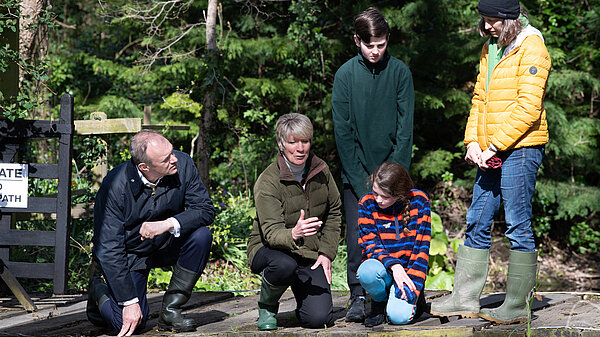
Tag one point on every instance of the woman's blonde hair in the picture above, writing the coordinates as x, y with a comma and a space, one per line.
510, 29
293, 124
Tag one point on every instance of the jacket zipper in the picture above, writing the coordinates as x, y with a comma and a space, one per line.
487, 90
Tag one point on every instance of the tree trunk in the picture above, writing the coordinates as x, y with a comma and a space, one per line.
205, 121
33, 46
33, 41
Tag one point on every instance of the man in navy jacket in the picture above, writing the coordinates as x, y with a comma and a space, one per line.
151, 211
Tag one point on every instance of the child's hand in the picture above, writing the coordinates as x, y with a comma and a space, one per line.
401, 278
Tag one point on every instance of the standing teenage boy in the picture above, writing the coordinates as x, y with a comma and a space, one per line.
373, 105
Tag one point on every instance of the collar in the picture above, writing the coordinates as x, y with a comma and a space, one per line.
146, 181
298, 171
313, 163
136, 181
525, 32
374, 68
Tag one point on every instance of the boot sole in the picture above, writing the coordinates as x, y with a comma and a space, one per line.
463, 314
267, 328
518, 320
163, 327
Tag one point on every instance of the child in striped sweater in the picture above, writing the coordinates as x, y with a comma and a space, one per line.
394, 234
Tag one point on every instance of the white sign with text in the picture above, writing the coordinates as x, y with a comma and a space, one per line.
13, 185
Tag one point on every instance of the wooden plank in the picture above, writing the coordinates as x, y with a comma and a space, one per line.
31, 270
15, 237
16, 288
7, 151
159, 127
63, 205
34, 205
43, 171
108, 126
78, 211
24, 128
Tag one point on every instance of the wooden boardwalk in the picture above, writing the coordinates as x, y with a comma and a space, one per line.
228, 314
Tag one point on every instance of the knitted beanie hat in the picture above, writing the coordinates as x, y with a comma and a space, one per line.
503, 9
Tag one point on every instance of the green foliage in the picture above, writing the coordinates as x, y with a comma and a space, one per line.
585, 238
278, 57
434, 164
439, 275
233, 223
339, 269
572, 200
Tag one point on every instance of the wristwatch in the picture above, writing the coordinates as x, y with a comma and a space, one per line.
493, 148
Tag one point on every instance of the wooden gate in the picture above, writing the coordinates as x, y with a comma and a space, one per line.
13, 137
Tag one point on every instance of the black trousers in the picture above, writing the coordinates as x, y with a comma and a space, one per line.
314, 305
352, 246
190, 252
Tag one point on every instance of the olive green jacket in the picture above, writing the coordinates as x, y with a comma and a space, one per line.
279, 197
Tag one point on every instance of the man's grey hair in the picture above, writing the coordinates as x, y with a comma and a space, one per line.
139, 144
293, 124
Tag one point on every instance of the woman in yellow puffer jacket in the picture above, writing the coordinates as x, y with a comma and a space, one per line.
505, 137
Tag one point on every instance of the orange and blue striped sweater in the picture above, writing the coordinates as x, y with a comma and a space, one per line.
382, 236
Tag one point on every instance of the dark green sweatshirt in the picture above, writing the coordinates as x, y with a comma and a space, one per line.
373, 107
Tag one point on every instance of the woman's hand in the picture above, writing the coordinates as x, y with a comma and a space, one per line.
306, 227
324, 261
401, 278
485, 156
473, 155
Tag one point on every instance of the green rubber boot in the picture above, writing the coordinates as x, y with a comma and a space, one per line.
469, 279
268, 305
522, 274
179, 292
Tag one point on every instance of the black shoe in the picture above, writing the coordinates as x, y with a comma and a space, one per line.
374, 320
356, 311
377, 315
97, 291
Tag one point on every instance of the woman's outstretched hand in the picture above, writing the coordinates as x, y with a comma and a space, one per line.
306, 227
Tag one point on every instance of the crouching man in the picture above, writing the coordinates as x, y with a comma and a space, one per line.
151, 211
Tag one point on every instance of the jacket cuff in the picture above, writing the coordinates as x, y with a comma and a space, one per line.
129, 302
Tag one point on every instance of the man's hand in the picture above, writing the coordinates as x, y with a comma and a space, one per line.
132, 317
473, 155
306, 227
150, 229
401, 278
324, 261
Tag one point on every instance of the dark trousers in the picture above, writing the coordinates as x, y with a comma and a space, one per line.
352, 246
190, 252
314, 305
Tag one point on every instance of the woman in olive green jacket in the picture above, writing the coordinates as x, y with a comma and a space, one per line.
296, 231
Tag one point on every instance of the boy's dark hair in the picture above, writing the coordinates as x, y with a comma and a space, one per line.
371, 23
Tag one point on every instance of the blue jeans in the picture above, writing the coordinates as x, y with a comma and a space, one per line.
512, 184
378, 282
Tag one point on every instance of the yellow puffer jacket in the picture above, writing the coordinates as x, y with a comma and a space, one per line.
511, 114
